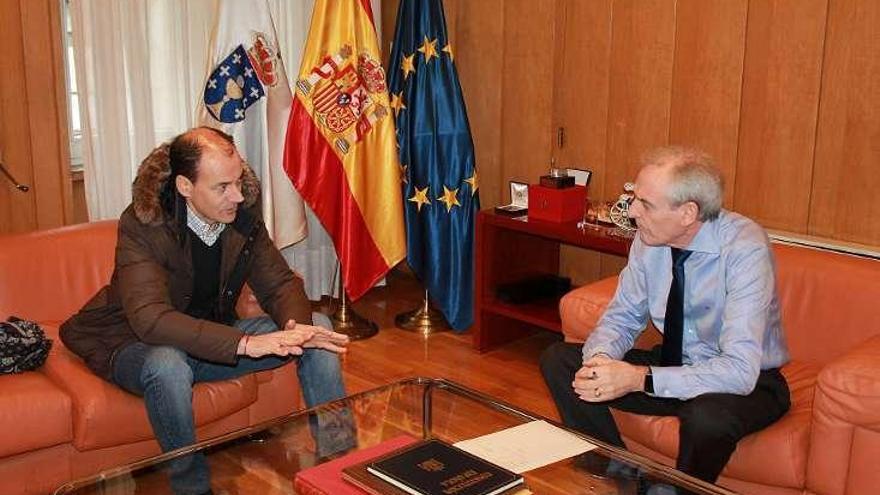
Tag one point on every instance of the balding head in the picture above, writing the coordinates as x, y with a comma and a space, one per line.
207, 171
208, 138
186, 150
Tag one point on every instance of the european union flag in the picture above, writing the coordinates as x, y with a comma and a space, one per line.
436, 159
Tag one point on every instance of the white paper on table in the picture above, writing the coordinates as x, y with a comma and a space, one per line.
527, 446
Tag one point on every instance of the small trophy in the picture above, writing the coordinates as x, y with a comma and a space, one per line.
558, 178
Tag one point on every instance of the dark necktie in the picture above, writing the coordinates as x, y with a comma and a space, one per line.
673, 325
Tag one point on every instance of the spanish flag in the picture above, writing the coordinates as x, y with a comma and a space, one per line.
341, 152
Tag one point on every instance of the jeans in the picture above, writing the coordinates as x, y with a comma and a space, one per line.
164, 377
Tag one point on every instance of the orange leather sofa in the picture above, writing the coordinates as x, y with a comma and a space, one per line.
62, 422
829, 442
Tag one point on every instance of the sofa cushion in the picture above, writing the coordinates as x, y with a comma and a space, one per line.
50, 274
47, 408
786, 442
104, 415
826, 300
582, 307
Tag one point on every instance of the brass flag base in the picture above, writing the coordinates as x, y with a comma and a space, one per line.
347, 321
425, 320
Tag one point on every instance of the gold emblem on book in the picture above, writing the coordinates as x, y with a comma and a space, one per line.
432, 465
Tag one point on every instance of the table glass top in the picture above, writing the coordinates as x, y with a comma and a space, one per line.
266, 458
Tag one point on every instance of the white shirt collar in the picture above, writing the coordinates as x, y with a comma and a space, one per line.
208, 233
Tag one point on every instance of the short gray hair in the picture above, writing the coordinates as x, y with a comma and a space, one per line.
693, 177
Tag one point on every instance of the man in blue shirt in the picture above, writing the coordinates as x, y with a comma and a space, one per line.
705, 277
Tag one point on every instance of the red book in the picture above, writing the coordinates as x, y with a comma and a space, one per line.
326, 479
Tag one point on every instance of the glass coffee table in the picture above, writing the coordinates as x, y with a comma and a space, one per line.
265, 459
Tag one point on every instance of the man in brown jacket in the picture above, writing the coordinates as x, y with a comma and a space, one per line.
189, 241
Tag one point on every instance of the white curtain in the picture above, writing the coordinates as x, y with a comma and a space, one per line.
313, 258
136, 80
141, 68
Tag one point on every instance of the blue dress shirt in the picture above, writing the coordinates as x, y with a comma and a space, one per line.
732, 328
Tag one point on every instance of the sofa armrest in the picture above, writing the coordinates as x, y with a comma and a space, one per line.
845, 436
582, 308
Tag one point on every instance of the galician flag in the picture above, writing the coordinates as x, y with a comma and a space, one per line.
247, 95
340, 152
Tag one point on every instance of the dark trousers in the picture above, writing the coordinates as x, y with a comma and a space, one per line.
710, 424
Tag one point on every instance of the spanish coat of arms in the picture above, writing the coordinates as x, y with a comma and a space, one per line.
343, 91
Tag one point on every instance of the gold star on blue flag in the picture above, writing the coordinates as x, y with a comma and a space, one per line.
434, 140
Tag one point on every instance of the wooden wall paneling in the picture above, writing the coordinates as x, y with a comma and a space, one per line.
450, 12
642, 47
527, 95
47, 104
17, 209
747, 80
580, 83
611, 265
580, 105
781, 76
389, 25
847, 165
640, 87
478, 51
707, 79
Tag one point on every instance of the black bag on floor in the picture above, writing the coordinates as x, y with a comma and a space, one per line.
23, 346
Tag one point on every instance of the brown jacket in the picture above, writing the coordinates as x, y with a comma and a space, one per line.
152, 282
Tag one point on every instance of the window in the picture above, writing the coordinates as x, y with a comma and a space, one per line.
74, 122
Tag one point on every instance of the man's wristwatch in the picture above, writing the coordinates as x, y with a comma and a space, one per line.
648, 386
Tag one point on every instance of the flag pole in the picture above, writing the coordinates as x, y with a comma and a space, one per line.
426, 320
348, 322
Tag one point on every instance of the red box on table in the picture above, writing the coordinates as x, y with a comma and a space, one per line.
557, 205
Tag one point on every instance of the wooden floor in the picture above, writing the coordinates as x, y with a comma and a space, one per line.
509, 372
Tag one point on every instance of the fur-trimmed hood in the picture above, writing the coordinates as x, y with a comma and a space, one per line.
154, 173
